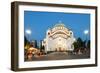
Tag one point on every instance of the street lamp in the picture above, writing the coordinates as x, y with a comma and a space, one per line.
28, 33
86, 32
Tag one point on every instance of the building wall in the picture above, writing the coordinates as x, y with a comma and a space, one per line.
59, 39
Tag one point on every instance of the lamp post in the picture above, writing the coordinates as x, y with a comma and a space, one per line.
28, 33
86, 32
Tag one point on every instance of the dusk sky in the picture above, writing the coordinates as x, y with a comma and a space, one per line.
37, 23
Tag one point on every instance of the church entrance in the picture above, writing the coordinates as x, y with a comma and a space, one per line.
59, 48
60, 43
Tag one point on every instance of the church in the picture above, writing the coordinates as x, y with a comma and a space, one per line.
58, 38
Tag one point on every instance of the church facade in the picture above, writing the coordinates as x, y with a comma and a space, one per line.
59, 38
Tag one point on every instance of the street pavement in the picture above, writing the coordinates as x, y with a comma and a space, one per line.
60, 56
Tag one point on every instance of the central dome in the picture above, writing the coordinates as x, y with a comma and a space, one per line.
59, 25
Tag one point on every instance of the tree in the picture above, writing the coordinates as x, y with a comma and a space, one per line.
88, 44
41, 46
78, 44
75, 45
35, 44
84, 44
25, 40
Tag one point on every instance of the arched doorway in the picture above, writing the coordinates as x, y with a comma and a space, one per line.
59, 48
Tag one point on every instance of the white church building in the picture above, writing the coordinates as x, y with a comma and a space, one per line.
59, 38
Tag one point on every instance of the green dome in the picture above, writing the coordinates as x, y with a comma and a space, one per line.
59, 25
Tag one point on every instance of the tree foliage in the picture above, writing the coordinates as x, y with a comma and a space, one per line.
88, 44
79, 44
26, 41
41, 46
35, 44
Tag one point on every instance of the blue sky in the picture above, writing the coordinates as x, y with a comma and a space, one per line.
39, 22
